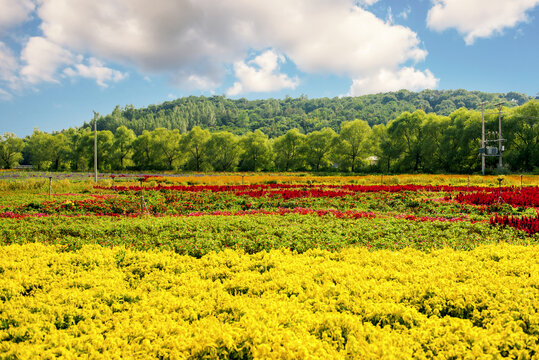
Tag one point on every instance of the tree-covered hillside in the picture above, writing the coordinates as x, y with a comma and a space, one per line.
275, 117
410, 143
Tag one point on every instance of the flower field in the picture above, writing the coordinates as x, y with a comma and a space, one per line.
306, 268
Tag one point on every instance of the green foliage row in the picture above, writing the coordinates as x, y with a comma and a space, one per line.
196, 236
412, 142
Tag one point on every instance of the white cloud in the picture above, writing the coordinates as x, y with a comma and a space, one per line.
198, 82
194, 41
478, 18
202, 76
357, 42
95, 70
387, 80
262, 76
14, 12
367, 2
46, 61
404, 13
4, 95
389, 17
8, 65
42, 60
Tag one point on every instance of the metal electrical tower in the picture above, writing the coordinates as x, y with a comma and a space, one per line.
483, 137
500, 146
491, 150
96, 115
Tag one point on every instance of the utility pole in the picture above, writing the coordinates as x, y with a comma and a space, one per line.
500, 134
483, 137
95, 145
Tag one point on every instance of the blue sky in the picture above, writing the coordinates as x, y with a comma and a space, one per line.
59, 60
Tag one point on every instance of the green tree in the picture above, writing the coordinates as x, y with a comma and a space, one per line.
38, 147
167, 148
243, 120
105, 141
353, 143
407, 128
77, 155
434, 156
521, 129
287, 149
317, 148
122, 147
193, 144
61, 153
257, 153
48, 151
223, 151
460, 142
143, 151
11, 148
385, 148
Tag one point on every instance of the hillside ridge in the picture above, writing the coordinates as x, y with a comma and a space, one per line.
276, 116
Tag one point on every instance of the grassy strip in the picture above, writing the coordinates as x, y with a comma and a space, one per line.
197, 236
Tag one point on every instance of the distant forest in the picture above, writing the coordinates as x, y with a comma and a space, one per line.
275, 117
401, 132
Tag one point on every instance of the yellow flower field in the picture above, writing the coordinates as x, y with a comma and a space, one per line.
112, 303
302, 178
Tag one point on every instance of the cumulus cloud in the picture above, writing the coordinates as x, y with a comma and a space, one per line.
478, 18
42, 60
261, 75
95, 70
14, 12
387, 80
46, 61
195, 41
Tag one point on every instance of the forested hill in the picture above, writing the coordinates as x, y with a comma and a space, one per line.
274, 117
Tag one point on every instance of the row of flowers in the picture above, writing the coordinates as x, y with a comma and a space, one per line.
408, 202
259, 187
105, 303
529, 224
350, 214
528, 196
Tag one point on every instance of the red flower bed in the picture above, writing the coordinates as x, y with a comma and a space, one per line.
295, 194
349, 214
273, 187
528, 196
528, 224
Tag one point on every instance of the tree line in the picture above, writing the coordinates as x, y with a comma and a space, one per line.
412, 142
274, 117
